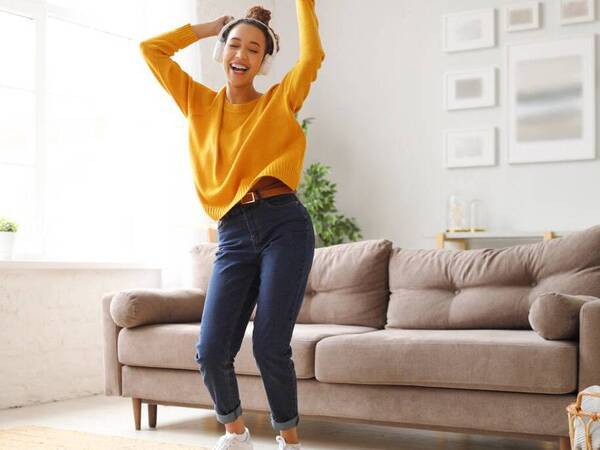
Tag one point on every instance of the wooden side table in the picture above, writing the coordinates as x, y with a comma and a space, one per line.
462, 237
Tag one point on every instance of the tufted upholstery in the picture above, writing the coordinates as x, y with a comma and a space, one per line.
424, 367
488, 288
347, 284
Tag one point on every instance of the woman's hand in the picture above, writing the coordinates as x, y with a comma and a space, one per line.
220, 22
207, 29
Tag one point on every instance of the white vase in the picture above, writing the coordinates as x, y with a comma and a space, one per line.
7, 243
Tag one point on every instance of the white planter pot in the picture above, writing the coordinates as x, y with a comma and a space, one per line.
7, 243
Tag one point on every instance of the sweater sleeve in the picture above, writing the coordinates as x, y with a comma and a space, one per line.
296, 83
157, 52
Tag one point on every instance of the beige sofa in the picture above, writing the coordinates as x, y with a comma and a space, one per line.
435, 339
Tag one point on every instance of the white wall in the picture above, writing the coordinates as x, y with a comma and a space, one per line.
51, 328
379, 120
394, 69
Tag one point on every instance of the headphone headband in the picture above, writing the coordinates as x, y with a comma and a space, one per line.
233, 22
269, 57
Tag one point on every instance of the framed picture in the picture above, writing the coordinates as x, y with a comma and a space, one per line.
576, 11
470, 88
522, 16
551, 100
470, 147
469, 30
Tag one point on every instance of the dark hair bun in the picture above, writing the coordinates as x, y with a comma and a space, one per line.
259, 13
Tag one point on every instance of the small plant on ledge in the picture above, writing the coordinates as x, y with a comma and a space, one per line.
8, 225
8, 231
317, 194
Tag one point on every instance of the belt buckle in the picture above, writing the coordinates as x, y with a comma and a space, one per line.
251, 201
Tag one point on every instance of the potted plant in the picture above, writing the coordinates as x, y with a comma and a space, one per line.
8, 231
318, 195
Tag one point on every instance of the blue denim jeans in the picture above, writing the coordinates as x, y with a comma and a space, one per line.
264, 256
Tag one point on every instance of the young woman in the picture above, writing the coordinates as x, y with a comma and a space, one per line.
247, 151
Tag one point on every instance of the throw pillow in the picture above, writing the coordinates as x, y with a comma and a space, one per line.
554, 315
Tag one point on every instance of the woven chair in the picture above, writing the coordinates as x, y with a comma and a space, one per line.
585, 434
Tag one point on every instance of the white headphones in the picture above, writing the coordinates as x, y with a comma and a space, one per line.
220, 45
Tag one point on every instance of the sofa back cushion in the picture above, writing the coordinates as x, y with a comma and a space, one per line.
489, 288
347, 283
202, 257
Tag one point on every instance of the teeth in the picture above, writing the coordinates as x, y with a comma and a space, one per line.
237, 66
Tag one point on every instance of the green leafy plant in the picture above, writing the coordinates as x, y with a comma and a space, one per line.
317, 193
7, 225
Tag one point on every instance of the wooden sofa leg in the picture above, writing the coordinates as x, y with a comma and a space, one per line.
137, 412
152, 415
564, 443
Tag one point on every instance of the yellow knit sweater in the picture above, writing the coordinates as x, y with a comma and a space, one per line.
233, 145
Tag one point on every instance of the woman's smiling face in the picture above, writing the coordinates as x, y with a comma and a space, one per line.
246, 47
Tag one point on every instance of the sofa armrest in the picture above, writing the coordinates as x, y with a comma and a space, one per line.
112, 367
136, 307
589, 344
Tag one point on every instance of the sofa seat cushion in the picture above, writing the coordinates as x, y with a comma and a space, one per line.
487, 359
173, 346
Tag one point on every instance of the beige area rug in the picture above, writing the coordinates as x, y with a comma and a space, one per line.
32, 437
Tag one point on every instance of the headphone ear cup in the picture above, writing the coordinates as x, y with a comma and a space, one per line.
220, 44
218, 51
265, 67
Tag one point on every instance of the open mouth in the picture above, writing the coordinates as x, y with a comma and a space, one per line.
238, 69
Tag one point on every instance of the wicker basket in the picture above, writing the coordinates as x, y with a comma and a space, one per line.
574, 411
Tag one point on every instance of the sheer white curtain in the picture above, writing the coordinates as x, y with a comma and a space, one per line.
107, 146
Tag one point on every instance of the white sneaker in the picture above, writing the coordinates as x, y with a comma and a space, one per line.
234, 441
285, 446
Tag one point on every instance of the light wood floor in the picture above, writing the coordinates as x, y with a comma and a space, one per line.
113, 416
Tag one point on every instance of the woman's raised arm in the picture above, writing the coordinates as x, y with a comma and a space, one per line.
158, 51
296, 83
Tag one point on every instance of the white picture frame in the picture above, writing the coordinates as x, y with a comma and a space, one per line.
469, 30
522, 16
470, 147
551, 95
577, 11
474, 88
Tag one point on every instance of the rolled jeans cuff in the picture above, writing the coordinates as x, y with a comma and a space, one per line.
284, 425
226, 418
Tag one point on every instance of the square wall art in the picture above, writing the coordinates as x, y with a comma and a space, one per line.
469, 30
470, 88
470, 147
551, 100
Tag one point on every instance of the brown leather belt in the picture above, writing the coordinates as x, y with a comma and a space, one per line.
253, 196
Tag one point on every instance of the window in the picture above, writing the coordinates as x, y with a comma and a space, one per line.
91, 150
18, 130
